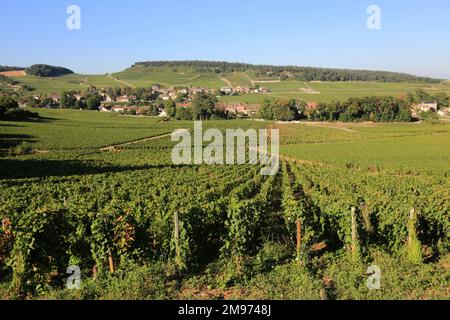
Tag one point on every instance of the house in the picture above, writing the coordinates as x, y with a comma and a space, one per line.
105, 109
183, 91
55, 97
198, 90
429, 106
240, 108
227, 90
125, 99
183, 105
312, 106
118, 109
165, 97
240, 89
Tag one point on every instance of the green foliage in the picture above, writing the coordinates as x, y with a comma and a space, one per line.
184, 114
203, 106
281, 110
68, 100
93, 102
170, 108
10, 111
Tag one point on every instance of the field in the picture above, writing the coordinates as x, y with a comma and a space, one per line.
222, 232
308, 91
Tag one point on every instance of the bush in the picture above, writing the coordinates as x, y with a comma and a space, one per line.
22, 149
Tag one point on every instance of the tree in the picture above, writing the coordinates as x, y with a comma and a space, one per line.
203, 106
286, 110
266, 110
7, 102
152, 110
9, 110
93, 102
171, 108
67, 100
442, 100
184, 114
80, 104
422, 95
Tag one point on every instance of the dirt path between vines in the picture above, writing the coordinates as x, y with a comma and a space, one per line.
228, 82
117, 146
121, 81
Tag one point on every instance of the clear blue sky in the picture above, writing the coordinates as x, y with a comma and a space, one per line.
415, 34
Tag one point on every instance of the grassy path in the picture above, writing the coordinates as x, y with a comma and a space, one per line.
228, 82
121, 81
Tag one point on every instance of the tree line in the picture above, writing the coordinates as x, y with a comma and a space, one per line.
10, 68
376, 109
288, 72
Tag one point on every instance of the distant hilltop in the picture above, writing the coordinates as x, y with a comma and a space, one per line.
37, 70
281, 72
44, 70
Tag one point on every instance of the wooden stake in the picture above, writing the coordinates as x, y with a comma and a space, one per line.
177, 238
411, 229
299, 239
354, 233
111, 261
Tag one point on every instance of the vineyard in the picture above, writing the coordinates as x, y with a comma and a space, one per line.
141, 228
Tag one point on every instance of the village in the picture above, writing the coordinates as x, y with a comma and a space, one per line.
137, 101
153, 101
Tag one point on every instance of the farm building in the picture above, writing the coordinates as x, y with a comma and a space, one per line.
227, 90
239, 108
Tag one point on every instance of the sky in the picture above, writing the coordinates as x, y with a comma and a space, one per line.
414, 35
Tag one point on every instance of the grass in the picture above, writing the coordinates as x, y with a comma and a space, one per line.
72, 82
238, 79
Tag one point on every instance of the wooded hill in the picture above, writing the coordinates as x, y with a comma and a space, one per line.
43, 70
286, 72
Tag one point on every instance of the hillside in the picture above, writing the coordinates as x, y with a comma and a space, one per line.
280, 72
217, 75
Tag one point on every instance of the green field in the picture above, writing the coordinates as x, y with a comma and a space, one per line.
70, 203
72, 82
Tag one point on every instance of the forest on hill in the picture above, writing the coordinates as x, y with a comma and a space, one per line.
43, 70
10, 68
287, 72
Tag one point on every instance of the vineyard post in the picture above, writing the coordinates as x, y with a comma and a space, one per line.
414, 247
111, 261
354, 233
299, 239
177, 239
412, 214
